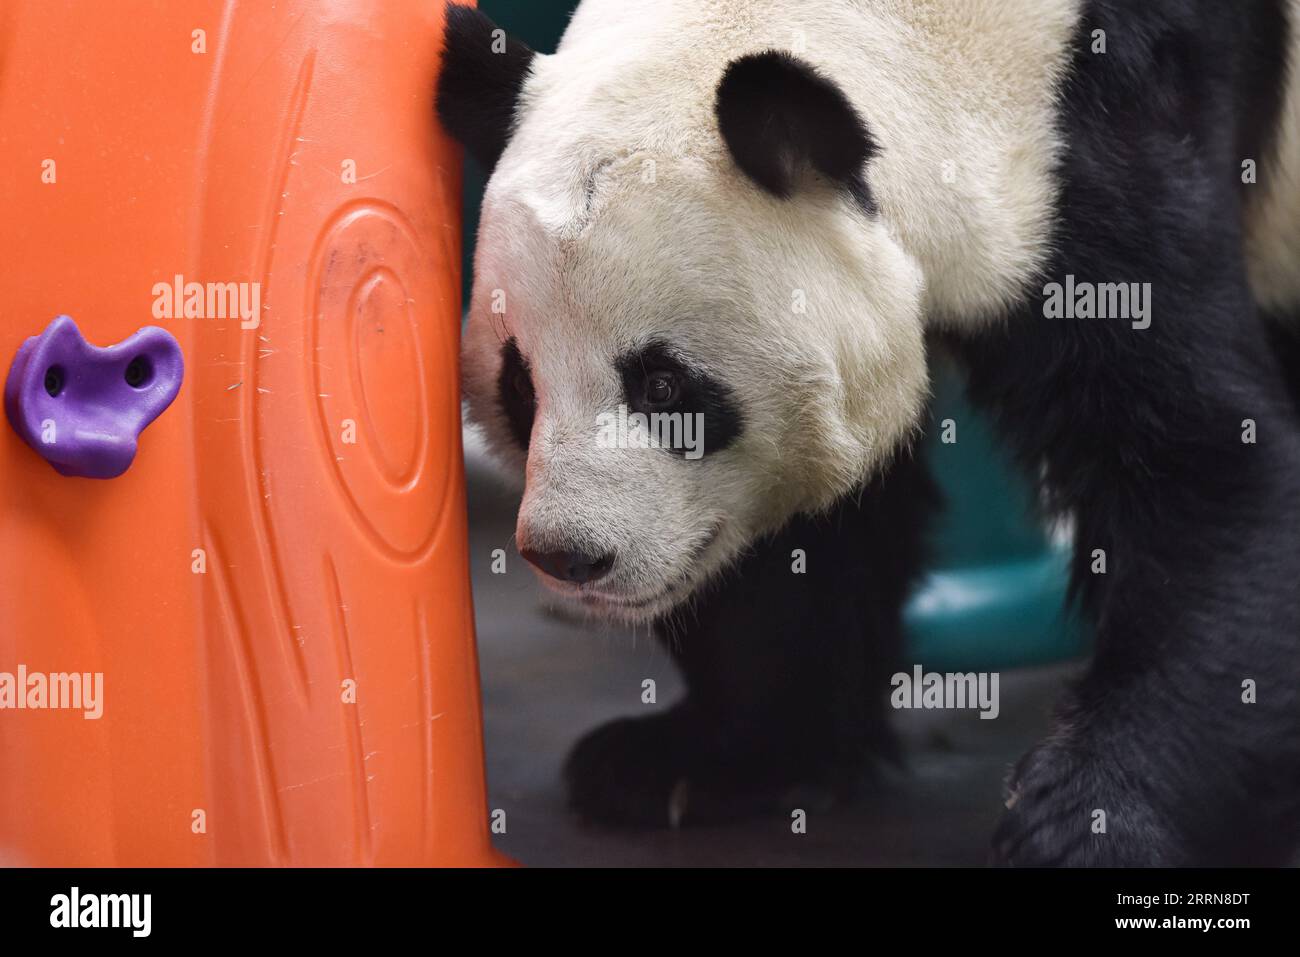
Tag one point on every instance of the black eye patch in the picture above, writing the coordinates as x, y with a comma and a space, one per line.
658, 379
515, 392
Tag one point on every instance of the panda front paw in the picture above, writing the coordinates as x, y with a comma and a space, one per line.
664, 771
1067, 806
630, 772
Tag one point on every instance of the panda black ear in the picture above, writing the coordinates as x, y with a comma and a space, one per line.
780, 117
482, 74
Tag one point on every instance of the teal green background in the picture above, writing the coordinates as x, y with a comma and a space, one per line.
996, 596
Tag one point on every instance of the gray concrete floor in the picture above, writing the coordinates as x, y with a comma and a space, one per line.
547, 679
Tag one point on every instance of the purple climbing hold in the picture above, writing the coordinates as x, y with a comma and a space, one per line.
82, 407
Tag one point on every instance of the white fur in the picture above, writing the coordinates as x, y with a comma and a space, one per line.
1273, 224
960, 96
616, 215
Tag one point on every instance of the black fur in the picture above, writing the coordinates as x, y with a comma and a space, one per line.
1140, 435
478, 89
700, 393
1258, 69
1285, 334
780, 117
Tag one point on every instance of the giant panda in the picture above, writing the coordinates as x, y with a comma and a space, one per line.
917, 175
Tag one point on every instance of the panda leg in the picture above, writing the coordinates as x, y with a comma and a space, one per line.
787, 662
1181, 744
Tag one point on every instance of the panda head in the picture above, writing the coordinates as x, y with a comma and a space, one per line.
676, 239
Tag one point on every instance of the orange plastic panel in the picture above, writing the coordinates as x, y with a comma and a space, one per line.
295, 522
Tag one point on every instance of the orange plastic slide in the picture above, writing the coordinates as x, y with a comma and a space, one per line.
255, 646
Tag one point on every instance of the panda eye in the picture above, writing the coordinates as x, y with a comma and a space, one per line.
661, 388
658, 378
523, 384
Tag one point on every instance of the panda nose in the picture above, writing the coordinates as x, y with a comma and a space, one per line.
569, 566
